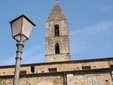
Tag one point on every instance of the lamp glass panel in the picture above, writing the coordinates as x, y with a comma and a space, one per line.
16, 27
20, 38
27, 28
24, 38
17, 38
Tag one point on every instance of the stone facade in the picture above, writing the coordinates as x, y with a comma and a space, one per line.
89, 79
60, 66
66, 73
34, 80
58, 69
57, 17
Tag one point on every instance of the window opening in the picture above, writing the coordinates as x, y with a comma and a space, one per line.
57, 48
111, 66
32, 69
52, 70
86, 67
56, 29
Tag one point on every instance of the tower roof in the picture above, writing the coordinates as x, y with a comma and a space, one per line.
56, 13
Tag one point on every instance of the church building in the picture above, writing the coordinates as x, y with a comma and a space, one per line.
58, 68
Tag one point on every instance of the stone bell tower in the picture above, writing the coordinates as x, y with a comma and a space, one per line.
57, 46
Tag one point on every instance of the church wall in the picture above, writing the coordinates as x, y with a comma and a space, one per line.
89, 79
10, 70
71, 66
58, 69
34, 80
83, 78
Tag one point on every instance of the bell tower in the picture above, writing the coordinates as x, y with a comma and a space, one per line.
57, 46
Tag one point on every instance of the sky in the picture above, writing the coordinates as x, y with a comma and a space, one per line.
90, 24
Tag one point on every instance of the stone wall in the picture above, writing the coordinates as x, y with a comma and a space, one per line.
60, 66
74, 78
99, 73
62, 39
34, 80
90, 79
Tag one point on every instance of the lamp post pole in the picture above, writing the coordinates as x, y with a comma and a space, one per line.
21, 30
18, 58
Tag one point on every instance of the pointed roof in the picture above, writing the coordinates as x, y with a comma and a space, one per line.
56, 13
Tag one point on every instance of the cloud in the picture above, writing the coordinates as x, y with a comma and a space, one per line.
98, 28
35, 54
87, 41
84, 43
107, 9
104, 7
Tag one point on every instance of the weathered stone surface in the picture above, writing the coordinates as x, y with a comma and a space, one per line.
56, 13
84, 78
64, 66
57, 17
67, 72
37, 80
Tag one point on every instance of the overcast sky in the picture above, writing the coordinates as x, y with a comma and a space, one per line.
90, 24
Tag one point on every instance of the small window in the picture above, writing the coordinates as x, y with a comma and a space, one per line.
56, 30
52, 70
111, 66
42, 71
106, 80
86, 67
57, 48
32, 69
22, 72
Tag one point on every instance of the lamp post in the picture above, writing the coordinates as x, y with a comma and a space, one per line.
21, 30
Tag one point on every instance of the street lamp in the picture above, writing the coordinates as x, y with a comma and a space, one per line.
21, 30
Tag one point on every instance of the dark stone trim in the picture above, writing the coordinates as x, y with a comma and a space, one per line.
57, 54
57, 36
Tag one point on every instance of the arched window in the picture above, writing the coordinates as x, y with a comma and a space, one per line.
56, 30
57, 48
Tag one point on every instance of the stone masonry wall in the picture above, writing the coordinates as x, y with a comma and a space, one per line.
43, 68
62, 39
84, 78
89, 79
36, 80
